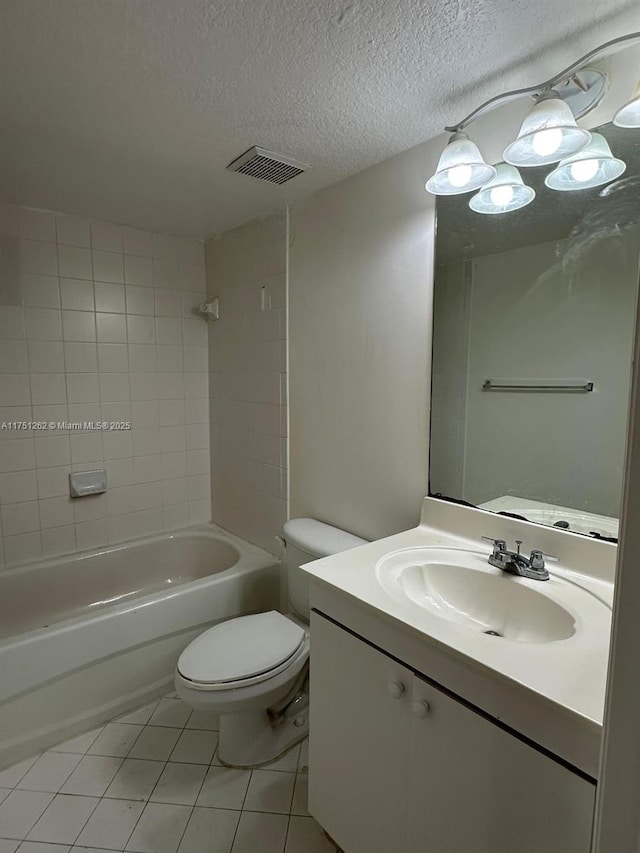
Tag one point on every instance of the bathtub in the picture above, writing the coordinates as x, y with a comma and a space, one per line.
90, 636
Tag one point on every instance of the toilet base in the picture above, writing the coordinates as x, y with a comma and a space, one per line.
259, 721
253, 739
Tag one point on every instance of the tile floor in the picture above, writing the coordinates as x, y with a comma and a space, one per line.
150, 782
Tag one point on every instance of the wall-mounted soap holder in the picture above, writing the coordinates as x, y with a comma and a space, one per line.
84, 483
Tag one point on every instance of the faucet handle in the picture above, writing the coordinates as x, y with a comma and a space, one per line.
498, 544
537, 558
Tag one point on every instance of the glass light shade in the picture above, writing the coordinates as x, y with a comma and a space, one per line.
629, 114
461, 168
548, 134
591, 167
503, 193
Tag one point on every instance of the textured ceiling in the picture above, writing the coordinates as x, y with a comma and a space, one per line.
129, 110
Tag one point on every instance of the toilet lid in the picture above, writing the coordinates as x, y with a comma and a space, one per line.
241, 648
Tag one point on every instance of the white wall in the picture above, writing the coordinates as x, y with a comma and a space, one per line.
248, 380
360, 326
96, 324
360, 278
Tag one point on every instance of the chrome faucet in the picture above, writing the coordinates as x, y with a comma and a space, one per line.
516, 563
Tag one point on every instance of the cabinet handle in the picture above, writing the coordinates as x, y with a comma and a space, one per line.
396, 689
420, 709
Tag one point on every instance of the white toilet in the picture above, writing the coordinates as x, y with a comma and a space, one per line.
253, 670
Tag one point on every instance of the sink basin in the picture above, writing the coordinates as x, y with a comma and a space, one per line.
461, 587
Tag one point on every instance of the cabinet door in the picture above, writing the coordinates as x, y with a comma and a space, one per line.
475, 788
358, 745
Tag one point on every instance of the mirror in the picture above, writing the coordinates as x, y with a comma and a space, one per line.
534, 315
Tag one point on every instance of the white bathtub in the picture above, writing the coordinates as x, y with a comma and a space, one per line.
90, 636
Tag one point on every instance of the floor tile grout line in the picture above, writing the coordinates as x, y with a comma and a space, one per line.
165, 763
293, 790
286, 835
122, 759
64, 752
111, 755
157, 782
173, 697
155, 703
106, 755
98, 733
149, 724
186, 826
244, 799
55, 793
14, 787
86, 755
138, 800
145, 804
86, 821
148, 801
293, 793
135, 741
129, 837
89, 816
157, 760
38, 818
193, 807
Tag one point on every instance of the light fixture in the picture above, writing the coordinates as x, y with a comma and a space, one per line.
629, 114
548, 134
504, 193
583, 91
591, 167
461, 168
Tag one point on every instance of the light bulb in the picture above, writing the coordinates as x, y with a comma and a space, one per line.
593, 166
584, 170
460, 175
460, 168
502, 195
629, 114
546, 142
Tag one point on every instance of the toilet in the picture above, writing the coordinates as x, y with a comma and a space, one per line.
254, 670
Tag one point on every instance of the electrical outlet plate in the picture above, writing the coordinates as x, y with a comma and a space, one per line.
265, 298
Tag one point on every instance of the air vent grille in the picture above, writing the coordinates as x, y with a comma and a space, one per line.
267, 166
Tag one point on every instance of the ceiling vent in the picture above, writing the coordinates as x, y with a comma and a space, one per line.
267, 166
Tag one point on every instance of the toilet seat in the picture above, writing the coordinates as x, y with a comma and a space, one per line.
243, 651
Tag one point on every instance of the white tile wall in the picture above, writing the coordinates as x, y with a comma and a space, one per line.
99, 326
247, 349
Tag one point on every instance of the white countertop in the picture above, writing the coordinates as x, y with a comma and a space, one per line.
553, 692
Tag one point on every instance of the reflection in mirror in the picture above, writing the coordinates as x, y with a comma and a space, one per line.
534, 314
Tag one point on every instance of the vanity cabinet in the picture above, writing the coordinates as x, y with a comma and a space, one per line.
397, 764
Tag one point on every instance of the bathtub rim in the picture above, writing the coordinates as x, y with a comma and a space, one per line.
257, 558
209, 529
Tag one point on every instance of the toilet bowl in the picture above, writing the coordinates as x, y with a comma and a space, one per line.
253, 670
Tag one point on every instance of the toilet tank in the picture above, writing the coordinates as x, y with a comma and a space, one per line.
307, 540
